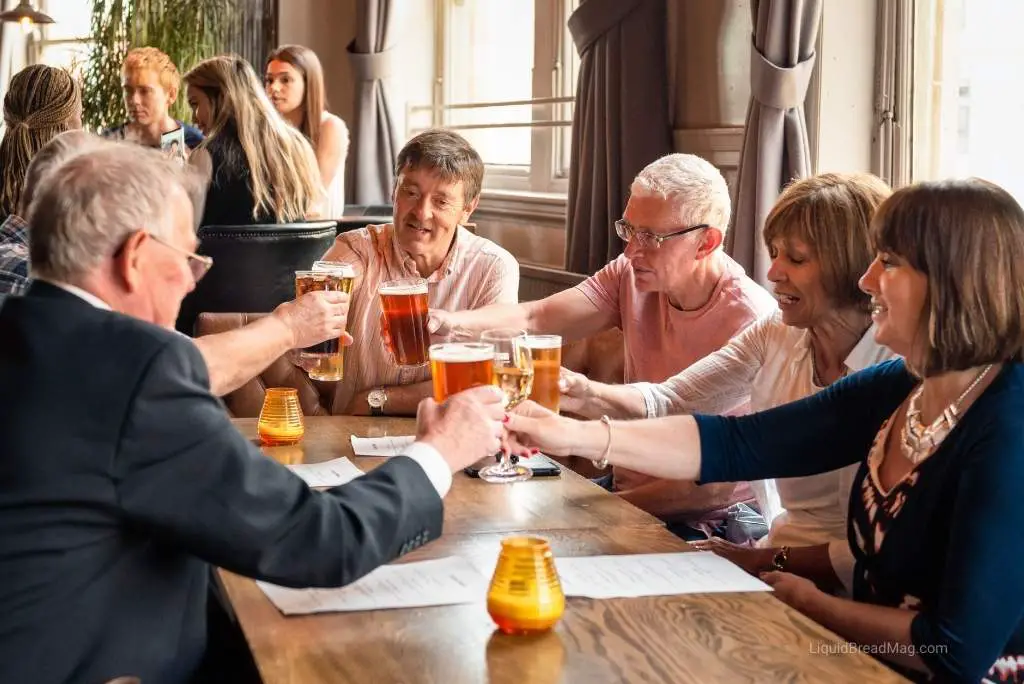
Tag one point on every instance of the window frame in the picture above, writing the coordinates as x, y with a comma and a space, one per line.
553, 94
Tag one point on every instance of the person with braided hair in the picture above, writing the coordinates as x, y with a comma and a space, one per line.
41, 103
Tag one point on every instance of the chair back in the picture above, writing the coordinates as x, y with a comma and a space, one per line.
361, 215
253, 266
601, 357
246, 402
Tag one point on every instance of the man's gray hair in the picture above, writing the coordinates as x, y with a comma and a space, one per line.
87, 207
696, 189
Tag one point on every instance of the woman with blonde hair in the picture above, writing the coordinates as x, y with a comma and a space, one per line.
294, 81
262, 170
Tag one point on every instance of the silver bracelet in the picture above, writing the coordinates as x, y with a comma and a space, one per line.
602, 462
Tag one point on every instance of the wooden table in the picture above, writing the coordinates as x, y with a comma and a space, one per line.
569, 502
693, 638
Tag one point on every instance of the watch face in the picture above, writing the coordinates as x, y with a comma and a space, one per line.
376, 398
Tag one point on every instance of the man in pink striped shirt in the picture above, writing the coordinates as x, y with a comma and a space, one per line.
438, 181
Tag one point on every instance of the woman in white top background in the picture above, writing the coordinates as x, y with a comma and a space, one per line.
294, 81
817, 237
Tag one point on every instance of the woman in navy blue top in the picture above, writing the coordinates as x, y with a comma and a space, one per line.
935, 522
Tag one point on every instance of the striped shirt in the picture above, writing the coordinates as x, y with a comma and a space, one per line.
476, 272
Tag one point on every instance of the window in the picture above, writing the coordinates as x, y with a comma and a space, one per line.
967, 109
504, 77
65, 43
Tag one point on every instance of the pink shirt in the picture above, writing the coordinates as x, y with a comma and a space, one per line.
661, 340
476, 272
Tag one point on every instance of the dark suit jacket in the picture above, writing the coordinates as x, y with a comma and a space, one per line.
121, 478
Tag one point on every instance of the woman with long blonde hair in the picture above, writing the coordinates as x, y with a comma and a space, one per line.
294, 81
262, 170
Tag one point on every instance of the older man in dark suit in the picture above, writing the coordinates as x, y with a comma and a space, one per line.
123, 477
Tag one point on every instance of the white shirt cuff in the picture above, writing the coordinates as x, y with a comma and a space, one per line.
842, 563
433, 464
646, 390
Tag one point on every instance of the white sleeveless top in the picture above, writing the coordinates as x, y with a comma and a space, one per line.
334, 204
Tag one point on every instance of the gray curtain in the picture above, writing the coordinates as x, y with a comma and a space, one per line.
375, 140
894, 72
5, 49
775, 145
620, 122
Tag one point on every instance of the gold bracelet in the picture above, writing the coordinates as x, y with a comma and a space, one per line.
602, 462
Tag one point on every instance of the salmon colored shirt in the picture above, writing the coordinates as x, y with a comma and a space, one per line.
661, 340
476, 272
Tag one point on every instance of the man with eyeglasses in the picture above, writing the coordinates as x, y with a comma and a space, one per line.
124, 480
676, 296
232, 358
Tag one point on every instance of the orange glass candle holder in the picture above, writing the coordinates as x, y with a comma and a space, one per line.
280, 422
525, 596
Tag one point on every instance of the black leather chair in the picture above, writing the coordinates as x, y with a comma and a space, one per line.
253, 266
359, 215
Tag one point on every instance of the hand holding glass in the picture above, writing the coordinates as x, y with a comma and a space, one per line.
513, 375
324, 361
403, 304
546, 351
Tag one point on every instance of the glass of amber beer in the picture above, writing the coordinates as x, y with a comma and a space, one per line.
513, 375
546, 351
457, 366
404, 306
324, 361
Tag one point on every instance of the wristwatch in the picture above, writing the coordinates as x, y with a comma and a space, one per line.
780, 559
376, 399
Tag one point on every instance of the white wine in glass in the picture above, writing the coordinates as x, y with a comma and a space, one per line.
513, 375
515, 382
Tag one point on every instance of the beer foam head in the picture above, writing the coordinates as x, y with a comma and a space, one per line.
335, 268
404, 287
456, 352
543, 341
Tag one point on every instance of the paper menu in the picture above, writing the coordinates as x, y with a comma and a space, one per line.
331, 473
440, 582
381, 446
655, 574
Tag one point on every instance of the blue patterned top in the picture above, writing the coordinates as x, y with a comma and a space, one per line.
947, 541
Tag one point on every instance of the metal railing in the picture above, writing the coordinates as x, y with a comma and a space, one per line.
436, 109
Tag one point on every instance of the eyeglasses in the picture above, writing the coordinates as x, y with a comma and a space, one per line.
644, 238
197, 263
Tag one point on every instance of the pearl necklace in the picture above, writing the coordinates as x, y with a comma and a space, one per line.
917, 440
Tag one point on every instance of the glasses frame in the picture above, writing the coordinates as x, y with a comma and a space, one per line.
627, 232
198, 264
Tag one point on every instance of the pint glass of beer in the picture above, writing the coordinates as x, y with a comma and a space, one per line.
324, 361
404, 305
546, 351
457, 366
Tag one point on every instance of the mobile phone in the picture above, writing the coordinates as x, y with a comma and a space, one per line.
541, 465
173, 143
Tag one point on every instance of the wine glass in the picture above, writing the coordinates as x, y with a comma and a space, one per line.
513, 375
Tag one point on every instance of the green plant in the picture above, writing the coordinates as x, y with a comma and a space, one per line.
187, 30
